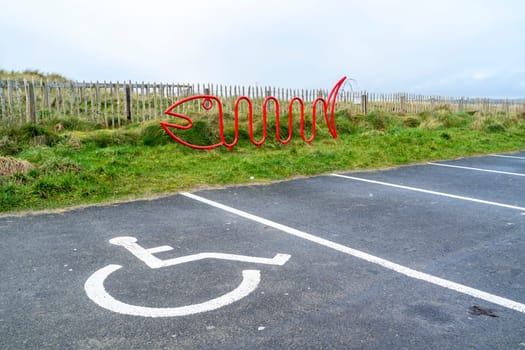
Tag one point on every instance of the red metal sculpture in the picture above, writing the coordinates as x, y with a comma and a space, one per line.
207, 104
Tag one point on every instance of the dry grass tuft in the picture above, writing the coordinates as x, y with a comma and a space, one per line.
10, 166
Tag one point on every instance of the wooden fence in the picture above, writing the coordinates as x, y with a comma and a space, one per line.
113, 104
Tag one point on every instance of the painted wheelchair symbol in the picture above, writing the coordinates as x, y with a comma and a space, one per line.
95, 290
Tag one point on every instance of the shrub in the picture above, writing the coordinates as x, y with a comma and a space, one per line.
46, 188
495, 127
380, 121
488, 123
37, 134
9, 146
13, 139
447, 119
106, 138
345, 126
443, 118
73, 124
61, 165
11, 196
411, 122
152, 134
200, 133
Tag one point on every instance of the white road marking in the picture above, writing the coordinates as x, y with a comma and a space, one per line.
431, 192
477, 169
130, 243
161, 249
502, 156
510, 304
95, 290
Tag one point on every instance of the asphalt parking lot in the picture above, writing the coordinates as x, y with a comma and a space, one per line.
425, 256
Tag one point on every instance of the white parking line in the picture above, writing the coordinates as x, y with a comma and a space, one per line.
510, 304
477, 169
432, 192
502, 156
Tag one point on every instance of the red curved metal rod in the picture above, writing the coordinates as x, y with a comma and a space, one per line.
277, 120
170, 111
301, 113
208, 101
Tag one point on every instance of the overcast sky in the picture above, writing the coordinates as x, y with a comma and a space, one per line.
445, 47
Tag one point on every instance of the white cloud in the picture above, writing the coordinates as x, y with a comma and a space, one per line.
482, 75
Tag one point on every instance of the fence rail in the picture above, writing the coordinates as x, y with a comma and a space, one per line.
115, 103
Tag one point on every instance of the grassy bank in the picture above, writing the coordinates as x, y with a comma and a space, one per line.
30, 74
76, 162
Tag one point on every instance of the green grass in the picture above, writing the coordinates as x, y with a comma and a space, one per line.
77, 163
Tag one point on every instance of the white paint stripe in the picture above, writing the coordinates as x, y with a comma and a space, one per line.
161, 249
368, 257
477, 169
278, 259
432, 192
502, 156
95, 290
146, 255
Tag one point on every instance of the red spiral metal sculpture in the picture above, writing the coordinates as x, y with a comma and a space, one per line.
208, 101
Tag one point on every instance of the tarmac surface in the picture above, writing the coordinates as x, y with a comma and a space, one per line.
425, 256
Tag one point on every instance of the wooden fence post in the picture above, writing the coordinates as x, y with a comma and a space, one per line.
117, 89
11, 101
111, 101
268, 93
72, 98
364, 103
18, 100
128, 102
3, 100
45, 96
142, 94
97, 98
30, 102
